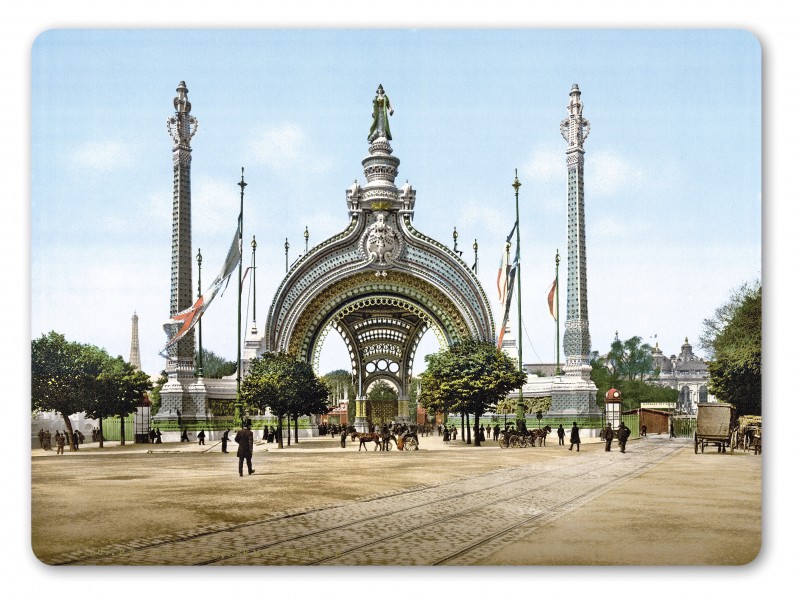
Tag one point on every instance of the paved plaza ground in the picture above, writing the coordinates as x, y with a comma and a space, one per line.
316, 503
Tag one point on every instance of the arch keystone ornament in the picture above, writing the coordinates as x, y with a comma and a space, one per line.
380, 284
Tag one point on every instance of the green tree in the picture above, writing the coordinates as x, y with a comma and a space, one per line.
340, 382
382, 392
121, 387
286, 385
64, 376
214, 366
630, 359
470, 377
155, 394
733, 335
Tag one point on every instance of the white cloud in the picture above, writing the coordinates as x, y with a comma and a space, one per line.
610, 172
285, 147
101, 155
546, 165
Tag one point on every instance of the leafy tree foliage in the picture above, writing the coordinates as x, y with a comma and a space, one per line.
214, 366
630, 359
155, 394
63, 375
121, 388
469, 377
630, 373
382, 392
70, 377
286, 385
734, 337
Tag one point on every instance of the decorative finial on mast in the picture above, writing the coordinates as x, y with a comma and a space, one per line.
305, 235
455, 240
381, 110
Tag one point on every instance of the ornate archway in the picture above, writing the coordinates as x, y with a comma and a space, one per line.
380, 284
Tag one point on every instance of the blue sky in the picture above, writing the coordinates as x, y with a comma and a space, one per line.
673, 166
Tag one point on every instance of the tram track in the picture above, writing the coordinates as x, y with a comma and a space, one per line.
370, 515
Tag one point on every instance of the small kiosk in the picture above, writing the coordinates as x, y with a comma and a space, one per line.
613, 407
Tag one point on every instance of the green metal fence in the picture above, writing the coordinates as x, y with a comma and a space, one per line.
685, 426
111, 429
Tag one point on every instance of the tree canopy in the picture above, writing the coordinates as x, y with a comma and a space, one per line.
470, 377
70, 377
382, 392
733, 335
214, 366
630, 359
285, 385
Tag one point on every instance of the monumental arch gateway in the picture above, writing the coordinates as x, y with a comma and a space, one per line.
380, 284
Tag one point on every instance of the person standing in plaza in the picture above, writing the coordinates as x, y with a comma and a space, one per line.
201, 438
496, 432
671, 429
574, 437
158, 435
608, 435
60, 439
265, 435
560, 431
244, 437
622, 433
225, 441
343, 436
185, 435
75, 440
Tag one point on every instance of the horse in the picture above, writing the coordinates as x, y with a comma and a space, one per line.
363, 438
541, 435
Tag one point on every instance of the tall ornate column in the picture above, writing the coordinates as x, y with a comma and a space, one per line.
577, 342
180, 364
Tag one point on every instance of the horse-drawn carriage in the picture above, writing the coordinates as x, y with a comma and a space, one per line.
715, 426
747, 435
517, 439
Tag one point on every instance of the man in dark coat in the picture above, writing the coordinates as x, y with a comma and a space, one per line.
561, 433
225, 441
622, 433
201, 438
343, 436
608, 435
244, 437
574, 437
496, 432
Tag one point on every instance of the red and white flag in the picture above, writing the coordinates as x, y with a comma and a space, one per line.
189, 317
552, 300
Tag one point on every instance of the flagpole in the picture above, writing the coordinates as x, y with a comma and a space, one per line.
520, 402
253, 245
558, 317
200, 320
237, 407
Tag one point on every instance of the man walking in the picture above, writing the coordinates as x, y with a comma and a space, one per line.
201, 438
608, 434
244, 437
622, 433
225, 441
574, 437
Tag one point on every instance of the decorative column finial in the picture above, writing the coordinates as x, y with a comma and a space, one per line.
305, 235
286, 249
455, 240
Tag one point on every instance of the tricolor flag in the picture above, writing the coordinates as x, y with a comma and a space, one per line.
552, 300
188, 318
502, 272
512, 273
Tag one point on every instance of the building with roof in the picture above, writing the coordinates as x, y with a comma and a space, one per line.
686, 373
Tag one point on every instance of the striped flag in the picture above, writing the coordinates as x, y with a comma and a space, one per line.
188, 318
502, 272
512, 273
552, 300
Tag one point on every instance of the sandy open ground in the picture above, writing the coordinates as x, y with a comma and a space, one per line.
677, 511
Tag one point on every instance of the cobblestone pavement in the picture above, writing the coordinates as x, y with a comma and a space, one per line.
454, 523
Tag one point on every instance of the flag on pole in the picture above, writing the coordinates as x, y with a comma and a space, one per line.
512, 273
502, 272
552, 300
188, 318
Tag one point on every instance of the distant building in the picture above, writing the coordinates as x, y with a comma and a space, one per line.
686, 373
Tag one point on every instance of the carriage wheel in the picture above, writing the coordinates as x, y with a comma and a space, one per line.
411, 444
503, 441
389, 445
523, 441
515, 441
695, 443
